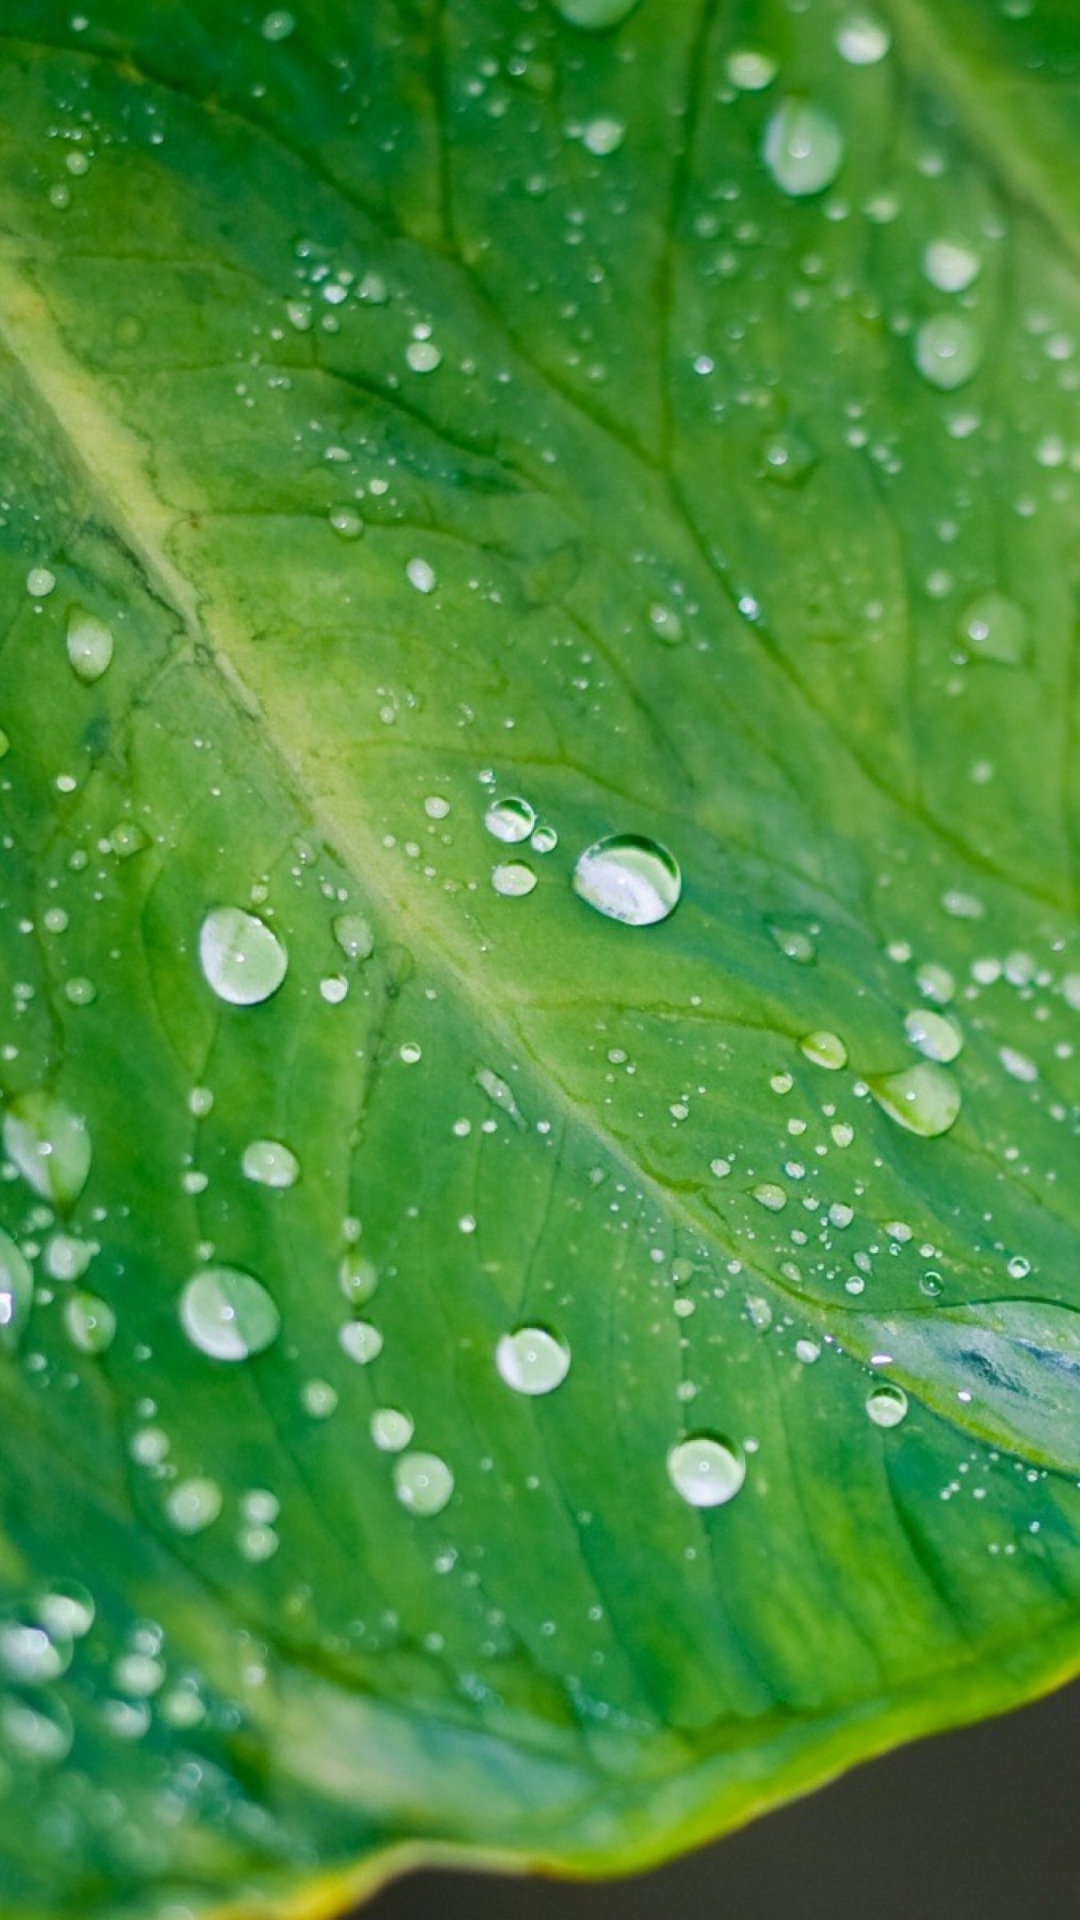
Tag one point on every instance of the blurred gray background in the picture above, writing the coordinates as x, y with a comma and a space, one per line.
978, 1825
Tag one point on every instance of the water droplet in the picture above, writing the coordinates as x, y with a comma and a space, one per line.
603, 135
16, 1291
128, 838
804, 148
193, 1505
243, 962
391, 1430
41, 1734
937, 983
89, 645
923, 1099
807, 1351
354, 936
532, 1360
80, 992
421, 575
787, 458
361, 1341
948, 351
995, 628
513, 879
596, 16
40, 583
825, 1050
278, 25
887, 1405
544, 840
1018, 1267
228, 1314
67, 1610
29, 1656
318, 1399
862, 39
358, 1277
666, 624
793, 943
750, 70
706, 1470
90, 1323
770, 1196
510, 820
932, 1285
934, 1034
629, 879
270, 1164
49, 1144
949, 267
423, 356
423, 1482
347, 523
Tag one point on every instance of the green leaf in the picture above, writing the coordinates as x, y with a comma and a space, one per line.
540, 923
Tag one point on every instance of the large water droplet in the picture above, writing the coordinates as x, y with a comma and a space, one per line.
935, 1035
532, 1360
825, 1050
270, 1163
887, 1405
706, 1470
423, 1482
16, 1291
995, 628
804, 148
242, 960
947, 351
89, 645
630, 879
923, 1099
510, 820
49, 1144
228, 1314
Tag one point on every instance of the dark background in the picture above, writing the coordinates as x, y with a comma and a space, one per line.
977, 1825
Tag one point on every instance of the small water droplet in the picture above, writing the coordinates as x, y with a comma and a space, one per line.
787, 458
825, 1050
948, 351
421, 575
40, 583
932, 1285
90, 1323
347, 523
89, 645
793, 943
228, 1314
532, 1360
862, 39
29, 1655
603, 135
804, 148
510, 820
193, 1505
923, 1099
391, 1430
807, 1351
705, 1470
278, 25
66, 1610
423, 1483
949, 267
937, 983
750, 70
270, 1163
935, 1035
887, 1405
770, 1196
49, 1144
544, 840
629, 879
423, 356
995, 628
16, 1291
361, 1341
513, 879
243, 961
354, 936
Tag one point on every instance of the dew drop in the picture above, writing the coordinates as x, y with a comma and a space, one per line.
804, 148
770, 1196
391, 1430
706, 1470
358, 1277
347, 523
544, 840
596, 16
949, 267
423, 1482
318, 1399
89, 645
49, 1144
29, 1656
750, 70
825, 1050
278, 26
228, 1314
41, 1735
532, 1360
995, 628
666, 624
862, 39
936, 983
935, 1035
90, 1323
66, 1610
270, 1164
793, 943
510, 820
40, 582
948, 351
629, 879
361, 1341
423, 356
923, 1099
887, 1406
243, 962
513, 879
193, 1505
603, 135
932, 1285
16, 1291
421, 575
354, 936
